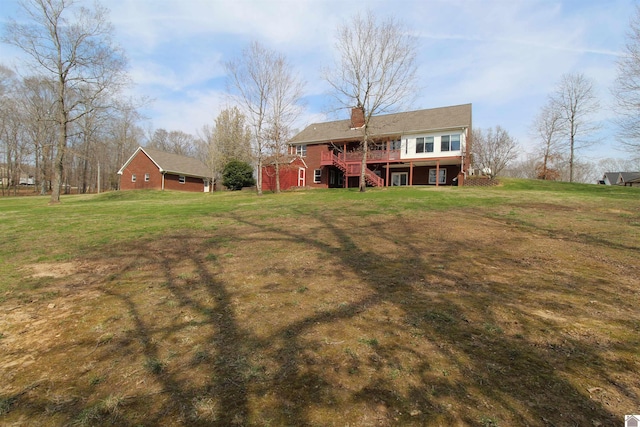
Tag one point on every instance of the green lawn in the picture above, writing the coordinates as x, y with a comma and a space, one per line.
511, 305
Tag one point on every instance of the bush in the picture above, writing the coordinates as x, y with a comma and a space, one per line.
237, 174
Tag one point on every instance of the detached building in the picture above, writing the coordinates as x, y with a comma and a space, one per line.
149, 168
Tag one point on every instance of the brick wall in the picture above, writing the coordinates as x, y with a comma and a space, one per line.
139, 166
312, 159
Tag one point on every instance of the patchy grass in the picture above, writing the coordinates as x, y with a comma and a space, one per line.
513, 305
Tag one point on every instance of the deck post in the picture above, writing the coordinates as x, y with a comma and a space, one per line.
411, 173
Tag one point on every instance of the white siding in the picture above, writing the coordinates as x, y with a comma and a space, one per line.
409, 145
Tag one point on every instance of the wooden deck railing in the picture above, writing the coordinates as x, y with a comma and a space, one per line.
350, 169
374, 156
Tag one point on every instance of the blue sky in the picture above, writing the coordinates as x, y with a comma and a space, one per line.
503, 56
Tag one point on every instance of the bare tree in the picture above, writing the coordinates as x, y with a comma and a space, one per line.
284, 110
576, 102
493, 149
626, 89
39, 99
124, 136
251, 81
547, 128
618, 165
526, 167
175, 141
229, 139
72, 46
375, 70
264, 85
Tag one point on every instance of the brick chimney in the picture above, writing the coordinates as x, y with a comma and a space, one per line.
357, 117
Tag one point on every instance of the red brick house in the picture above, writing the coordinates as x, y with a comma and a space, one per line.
154, 169
424, 147
293, 173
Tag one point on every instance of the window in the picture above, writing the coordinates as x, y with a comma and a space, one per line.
182, 179
301, 150
133, 177
455, 142
317, 175
424, 145
432, 176
395, 145
450, 142
428, 144
146, 177
444, 143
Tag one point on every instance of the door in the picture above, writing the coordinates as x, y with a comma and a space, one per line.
301, 177
399, 178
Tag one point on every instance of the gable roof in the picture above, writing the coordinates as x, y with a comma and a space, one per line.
172, 163
628, 177
620, 178
443, 118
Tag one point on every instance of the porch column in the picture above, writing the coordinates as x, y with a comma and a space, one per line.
438, 173
411, 173
345, 184
386, 182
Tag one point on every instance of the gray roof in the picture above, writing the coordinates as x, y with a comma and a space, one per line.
629, 176
621, 177
457, 116
174, 163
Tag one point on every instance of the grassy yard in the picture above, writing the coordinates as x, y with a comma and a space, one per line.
513, 305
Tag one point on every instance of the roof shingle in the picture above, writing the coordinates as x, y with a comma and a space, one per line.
457, 116
177, 164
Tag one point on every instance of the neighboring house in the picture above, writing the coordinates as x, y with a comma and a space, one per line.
154, 169
631, 179
424, 147
292, 174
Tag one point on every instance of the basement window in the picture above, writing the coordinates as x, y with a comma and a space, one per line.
182, 179
432, 176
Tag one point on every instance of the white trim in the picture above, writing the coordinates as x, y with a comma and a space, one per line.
399, 175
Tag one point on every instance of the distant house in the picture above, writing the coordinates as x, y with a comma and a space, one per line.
149, 168
631, 179
424, 147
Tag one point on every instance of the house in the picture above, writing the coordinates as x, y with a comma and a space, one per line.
154, 169
424, 147
631, 179
292, 174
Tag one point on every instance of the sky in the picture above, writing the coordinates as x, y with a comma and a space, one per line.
503, 56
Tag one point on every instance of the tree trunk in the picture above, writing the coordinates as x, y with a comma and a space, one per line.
277, 168
259, 177
571, 160
363, 165
58, 165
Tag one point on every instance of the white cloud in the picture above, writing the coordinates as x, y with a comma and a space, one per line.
502, 56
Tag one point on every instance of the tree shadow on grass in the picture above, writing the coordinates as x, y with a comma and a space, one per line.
509, 371
503, 375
